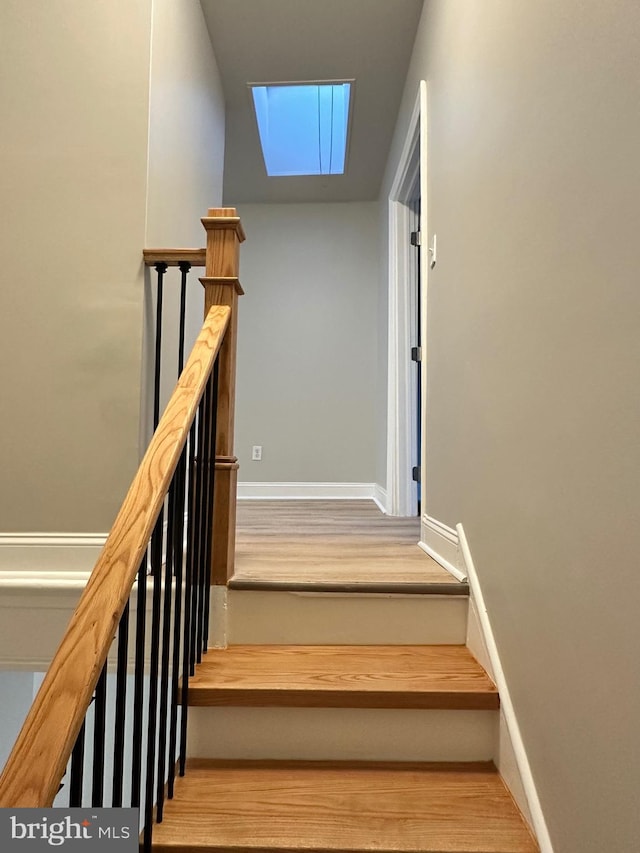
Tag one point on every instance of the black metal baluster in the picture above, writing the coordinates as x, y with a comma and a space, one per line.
188, 599
166, 648
99, 724
161, 268
197, 556
184, 266
202, 508
138, 689
179, 629
178, 563
77, 770
121, 709
211, 466
152, 721
204, 568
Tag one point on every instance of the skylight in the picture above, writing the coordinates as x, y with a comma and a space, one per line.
303, 127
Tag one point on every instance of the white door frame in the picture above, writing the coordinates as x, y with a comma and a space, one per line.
402, 380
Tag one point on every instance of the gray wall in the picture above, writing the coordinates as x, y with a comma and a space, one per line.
73, 149
85, 136
17, 690
533, 352
186, 158
307, 345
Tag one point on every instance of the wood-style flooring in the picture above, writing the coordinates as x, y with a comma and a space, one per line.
434, 677
332, 545
280, 807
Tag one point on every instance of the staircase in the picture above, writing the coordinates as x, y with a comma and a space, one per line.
341, 746
341, 716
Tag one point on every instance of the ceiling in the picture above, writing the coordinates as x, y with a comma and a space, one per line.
261, 41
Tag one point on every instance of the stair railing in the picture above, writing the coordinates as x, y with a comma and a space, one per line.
108, 726
221, 287
161, 260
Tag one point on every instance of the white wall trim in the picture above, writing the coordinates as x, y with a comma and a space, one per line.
402, 387
441, 543
457, 574
306, 491
381, 498
508, 713
53, 539
41, 581
401, 415
50, 552
35, 607
43, 603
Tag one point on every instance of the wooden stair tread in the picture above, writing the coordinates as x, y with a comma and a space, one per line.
340, 806
343, 677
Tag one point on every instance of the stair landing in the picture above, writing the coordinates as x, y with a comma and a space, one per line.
332, 546
339, 806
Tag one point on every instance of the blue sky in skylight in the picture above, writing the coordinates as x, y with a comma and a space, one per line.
303, 128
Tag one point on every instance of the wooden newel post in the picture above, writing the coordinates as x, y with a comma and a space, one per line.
221, 287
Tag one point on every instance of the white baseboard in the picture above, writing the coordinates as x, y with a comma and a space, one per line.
306, 491
512, 760
441, 543
381, 498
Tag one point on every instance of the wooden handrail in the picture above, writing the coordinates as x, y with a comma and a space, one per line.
37, 763
173, 257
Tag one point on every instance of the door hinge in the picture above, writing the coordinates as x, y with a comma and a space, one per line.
416, 238
415, 473
416, 353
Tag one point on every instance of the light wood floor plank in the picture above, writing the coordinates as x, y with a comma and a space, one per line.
329, 542
343, 677
325, 806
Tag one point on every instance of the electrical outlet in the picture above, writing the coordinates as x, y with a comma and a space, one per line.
256, 453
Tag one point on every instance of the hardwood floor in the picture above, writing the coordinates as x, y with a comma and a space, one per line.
332, 545
434, 677
334, 806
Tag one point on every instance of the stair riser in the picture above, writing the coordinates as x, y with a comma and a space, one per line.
316, 619
342, 734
